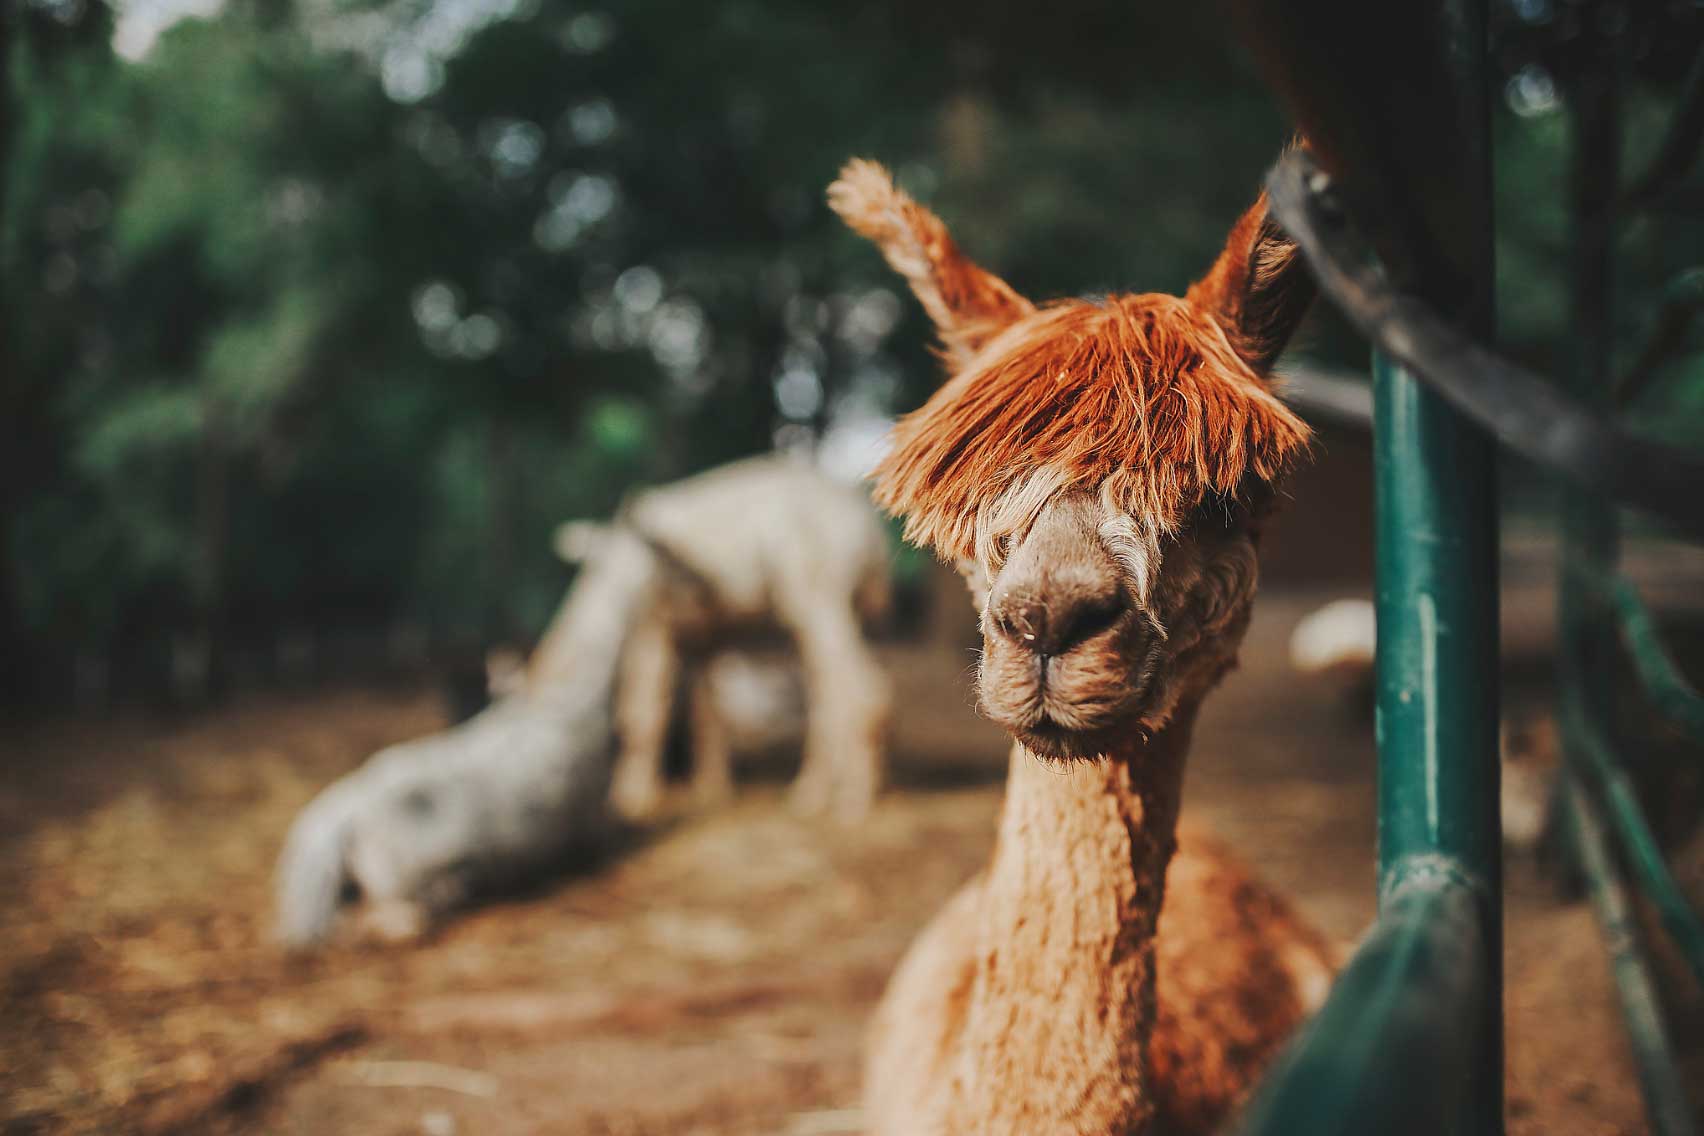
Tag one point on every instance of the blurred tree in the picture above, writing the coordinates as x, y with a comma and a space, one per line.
54, 62
322, 313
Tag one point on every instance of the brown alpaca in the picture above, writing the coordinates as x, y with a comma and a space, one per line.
1099, 470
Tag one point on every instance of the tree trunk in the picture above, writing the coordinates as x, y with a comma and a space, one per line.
212, 541
12, 667
501, 524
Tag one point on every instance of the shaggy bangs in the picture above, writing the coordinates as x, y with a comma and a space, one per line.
1141, 398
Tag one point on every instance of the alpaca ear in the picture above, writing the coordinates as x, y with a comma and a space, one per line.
968, 304
1258, 290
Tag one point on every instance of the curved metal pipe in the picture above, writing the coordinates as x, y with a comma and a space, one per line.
1525, 412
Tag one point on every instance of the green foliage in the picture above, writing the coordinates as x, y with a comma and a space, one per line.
1658, 256
327, 314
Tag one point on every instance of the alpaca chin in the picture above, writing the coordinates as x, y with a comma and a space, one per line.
1052, 742
1052, 727
1057, 730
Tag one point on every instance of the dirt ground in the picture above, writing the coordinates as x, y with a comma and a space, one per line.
712, 977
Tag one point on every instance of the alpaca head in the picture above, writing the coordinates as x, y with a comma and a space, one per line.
1098, 469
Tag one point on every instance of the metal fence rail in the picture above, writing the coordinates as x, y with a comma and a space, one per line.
1665, 1094
1597, 767
1410, 1039
1669, 692
1387, 1053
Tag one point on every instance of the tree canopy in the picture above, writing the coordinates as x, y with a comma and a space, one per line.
322, 313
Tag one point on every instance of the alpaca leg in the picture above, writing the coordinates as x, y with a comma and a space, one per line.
643, 701
848, 695
393, 921
712, 760
403, 899
813, 788
859, 766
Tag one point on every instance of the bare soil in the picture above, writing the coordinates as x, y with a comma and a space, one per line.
712, 977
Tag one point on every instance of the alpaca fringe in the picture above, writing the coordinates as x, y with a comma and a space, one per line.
1142, 398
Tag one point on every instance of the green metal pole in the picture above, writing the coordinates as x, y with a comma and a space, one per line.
1386, 1054
1437, 645
1665, 685
1592, 602
1590, 536
1659, 1077
1436, 592
1439, 769
1598, 769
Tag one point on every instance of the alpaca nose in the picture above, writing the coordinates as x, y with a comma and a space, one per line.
1054, 626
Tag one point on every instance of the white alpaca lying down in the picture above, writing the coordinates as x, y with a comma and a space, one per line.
427, 823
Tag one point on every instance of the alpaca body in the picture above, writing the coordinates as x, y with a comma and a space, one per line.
429, 823
765, 544
1032, 971
1100, 471
426, 824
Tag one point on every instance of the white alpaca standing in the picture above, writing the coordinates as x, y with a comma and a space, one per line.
763, 544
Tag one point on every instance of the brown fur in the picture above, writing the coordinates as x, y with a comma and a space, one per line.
1257, 290
1100, 472
967, 304
995, 1022
1146, 397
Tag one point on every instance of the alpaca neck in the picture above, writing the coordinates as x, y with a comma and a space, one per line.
1064, 991
581, 649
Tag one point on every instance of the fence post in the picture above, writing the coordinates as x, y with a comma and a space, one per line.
1590, 536
1436, 592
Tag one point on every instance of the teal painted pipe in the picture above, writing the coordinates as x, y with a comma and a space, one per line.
1436, 592
1592, 756
1439, 771
1659, 1077
1387, 1054
1590, 532
1434, 476
1674, 697
1435, 491
1411, 1040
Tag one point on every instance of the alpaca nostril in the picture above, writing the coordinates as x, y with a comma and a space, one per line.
1090, 619
1054, 629
1024, 623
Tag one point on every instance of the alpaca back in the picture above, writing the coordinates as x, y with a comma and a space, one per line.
430, 820
751, 526
518, 783
1237, 972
